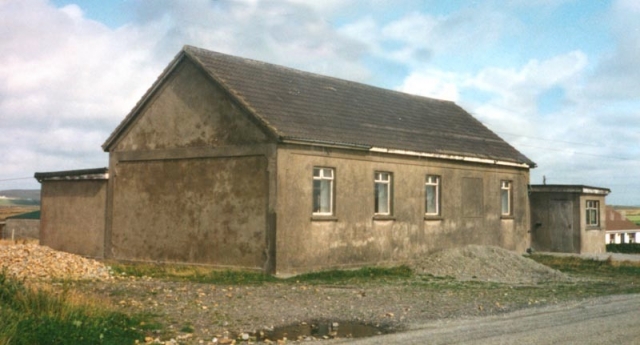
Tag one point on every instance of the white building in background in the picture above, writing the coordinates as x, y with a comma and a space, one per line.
620, 229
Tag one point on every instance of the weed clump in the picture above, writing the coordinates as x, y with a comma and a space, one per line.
30, 316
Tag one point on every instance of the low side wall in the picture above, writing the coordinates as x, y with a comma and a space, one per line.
19, 229
73, 216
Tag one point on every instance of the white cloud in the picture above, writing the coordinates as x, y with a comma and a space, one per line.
617, 76
518, 89
432, 84
291, 34
66, 81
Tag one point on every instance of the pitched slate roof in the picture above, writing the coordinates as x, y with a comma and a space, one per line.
616, 221
305, 107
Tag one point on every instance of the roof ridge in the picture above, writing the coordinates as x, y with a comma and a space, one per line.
314, 74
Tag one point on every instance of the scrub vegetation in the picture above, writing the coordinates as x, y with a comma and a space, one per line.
31, 315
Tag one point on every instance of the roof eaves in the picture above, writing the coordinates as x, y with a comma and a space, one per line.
455, 157
82, 174
569, 188
325, 143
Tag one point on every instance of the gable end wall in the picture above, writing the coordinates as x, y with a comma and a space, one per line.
190, 179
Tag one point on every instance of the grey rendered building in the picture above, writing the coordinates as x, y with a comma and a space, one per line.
233, 162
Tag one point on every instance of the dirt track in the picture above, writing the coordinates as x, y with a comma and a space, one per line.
607, 320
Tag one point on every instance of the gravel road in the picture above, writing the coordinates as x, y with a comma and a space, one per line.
606, 320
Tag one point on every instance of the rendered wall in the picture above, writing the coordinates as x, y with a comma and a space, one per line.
190, 180
72, 216
210, 211
593, 238
355, 237
559, 223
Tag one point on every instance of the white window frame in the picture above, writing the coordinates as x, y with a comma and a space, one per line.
506, 188
592, 213
432, 181
325, 176
382, 179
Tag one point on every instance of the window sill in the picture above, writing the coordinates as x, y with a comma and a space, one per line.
434, 217
507, 216
321, 218
591, 227
383, 217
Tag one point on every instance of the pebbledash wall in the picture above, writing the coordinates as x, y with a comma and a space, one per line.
194, 187
73, 206
470, 209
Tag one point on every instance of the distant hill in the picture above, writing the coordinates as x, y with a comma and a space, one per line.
19, 197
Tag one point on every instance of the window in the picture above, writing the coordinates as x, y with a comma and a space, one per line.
612, 238
382, 193
593, 218
432, 195
323, 191
505, 197
632, 237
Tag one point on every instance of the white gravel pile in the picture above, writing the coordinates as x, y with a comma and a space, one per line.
487, 263
35, 262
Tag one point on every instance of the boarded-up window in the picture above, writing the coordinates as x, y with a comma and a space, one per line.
472, 197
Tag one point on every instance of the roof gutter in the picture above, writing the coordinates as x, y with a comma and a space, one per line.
326, 144
73, 175
450, 157
361, 147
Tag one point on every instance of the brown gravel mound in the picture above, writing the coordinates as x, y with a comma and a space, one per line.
35, 262
487, 263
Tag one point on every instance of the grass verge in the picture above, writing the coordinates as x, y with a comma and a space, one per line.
195, 274
201, 274
36, 316
600, 277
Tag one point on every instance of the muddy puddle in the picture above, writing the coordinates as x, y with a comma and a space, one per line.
324, 330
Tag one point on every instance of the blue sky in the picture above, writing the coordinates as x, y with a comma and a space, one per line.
558, 79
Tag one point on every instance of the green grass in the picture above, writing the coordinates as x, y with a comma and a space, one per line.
364, 274
196, 274
634, 218
200, 274
602, 277
31, 316
18, 202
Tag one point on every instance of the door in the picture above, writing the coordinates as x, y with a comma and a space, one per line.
561, 226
